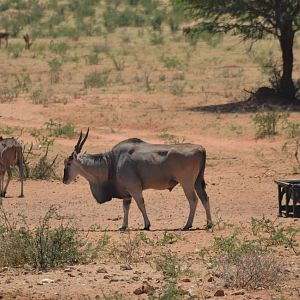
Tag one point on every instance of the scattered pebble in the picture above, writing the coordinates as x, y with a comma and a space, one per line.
101, 270
125, 267
219, 293
238, 293
45, 281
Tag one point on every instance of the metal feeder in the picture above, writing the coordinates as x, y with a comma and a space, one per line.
291, 189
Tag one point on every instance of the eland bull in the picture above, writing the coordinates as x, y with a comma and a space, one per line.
133, 166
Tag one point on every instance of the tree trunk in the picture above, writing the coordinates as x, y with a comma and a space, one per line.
286, 87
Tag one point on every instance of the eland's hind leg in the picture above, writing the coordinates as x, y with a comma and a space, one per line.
193, 201
9, 175
200, 189
126, 207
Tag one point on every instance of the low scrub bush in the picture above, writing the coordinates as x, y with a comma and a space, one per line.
97, 79
266, 122
45, 246
57, 129
170, 266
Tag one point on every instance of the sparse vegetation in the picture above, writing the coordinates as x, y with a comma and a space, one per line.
42, 247
97, 79
266, 122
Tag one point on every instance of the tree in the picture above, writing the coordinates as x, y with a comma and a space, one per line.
253, 19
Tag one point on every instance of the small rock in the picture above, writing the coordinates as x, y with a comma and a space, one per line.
144, 289
45, 281
101, 270
114, 280
219, 293
67, 270
211, 279
135, 278
125, 267
71, 275
30, 286
4, 269
238, 293
107, 277
149, 252
186, 280
209, 266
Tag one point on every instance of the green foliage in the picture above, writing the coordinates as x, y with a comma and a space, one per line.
92, 59
157, 20
170, 290
170, 266
266, 122
292, 129
15, 50
177, 88
156, 38
55, 69
42, 247
8, 94
170, 62
60, 48
57, 129
97, 79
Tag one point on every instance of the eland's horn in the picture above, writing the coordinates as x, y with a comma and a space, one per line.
85, 138
77, 149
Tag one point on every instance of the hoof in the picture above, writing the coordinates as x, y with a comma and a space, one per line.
122, 228
21, 196
147, 228
209, 225
186, 228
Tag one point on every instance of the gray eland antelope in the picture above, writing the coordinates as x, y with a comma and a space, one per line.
133, 166
11, 154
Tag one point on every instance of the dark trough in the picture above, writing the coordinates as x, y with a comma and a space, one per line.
291, 189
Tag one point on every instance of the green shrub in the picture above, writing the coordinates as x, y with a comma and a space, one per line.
42, 247
170, 62
292, 129
156, 38
97, 79
92, 59
170, 266
57, 129
177, 88
55, 69
60, 48
266, 122
8, 94
15, 50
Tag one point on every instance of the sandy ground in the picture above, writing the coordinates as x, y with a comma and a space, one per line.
239, 174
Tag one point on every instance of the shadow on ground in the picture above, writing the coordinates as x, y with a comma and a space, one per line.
263, 99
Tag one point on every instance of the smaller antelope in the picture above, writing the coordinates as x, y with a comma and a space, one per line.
4, 36
11, 154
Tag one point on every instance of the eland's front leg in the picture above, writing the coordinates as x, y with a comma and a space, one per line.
126, 207
139, 199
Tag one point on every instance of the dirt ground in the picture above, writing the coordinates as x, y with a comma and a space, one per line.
240, 172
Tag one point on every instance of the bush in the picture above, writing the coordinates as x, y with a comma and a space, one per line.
170, 266
92, 59
57, 129
156, 38
59, 48
97, 79
266, 122
42, 247
55, 69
